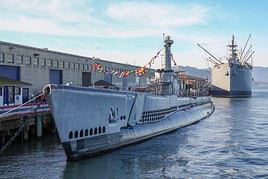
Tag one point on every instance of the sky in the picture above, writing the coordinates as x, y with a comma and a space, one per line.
132, 31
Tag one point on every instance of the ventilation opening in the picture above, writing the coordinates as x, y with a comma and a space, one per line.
76, 134
70, 135
81, 133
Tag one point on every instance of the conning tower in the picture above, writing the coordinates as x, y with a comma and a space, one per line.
166, 74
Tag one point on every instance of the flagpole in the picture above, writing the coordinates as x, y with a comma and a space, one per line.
93, 71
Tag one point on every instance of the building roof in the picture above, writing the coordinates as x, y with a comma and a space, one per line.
7, 81
92, 59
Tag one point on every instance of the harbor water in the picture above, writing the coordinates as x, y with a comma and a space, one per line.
231, 143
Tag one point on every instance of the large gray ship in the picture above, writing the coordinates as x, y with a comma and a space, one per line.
91, 121
232, 78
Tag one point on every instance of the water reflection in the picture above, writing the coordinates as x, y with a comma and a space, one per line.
133, 161
232, 143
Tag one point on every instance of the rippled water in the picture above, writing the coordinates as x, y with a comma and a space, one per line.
232, 143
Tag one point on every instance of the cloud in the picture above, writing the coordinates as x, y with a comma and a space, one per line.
83, 18
117, 20
161, 15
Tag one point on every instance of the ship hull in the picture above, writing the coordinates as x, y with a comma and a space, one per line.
87, 126
231, 80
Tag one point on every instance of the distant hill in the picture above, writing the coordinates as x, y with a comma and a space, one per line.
259, 85
205, 73
260, 74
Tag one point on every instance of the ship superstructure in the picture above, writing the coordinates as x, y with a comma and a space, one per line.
232, 78
90, 121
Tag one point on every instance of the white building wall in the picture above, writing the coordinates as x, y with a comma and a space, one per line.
35, 64
1, 96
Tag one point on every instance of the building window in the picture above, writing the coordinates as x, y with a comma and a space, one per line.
61, 64
77, 66
10, 58
43, 62
137, 81
0, 91
35, 61
86, 67
67, 65
25, 95
11, 96
19, 59
17, 91
2, 59
72, 66
55, 63
27, 60
49, 63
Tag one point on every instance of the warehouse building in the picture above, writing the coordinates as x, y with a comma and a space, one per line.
37, 67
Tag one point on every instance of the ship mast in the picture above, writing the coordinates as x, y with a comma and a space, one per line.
233, 49
214, 60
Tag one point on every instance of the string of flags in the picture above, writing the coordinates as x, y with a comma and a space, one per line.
140, 71
172, 58
182, 74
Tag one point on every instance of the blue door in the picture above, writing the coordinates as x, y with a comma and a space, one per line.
55, 76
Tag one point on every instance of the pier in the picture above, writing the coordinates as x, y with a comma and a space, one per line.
34, 121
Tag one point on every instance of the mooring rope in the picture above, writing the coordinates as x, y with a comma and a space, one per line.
4, 147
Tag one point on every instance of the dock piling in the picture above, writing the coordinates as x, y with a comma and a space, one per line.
39, 125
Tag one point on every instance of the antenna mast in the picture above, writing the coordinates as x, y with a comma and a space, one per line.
245, 47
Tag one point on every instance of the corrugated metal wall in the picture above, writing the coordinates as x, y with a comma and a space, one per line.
11, 72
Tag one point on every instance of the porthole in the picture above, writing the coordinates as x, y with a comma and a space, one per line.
86, 132
91, 132
103, 129
70, 135
95, 130
76, 134
81, 133
99, 130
